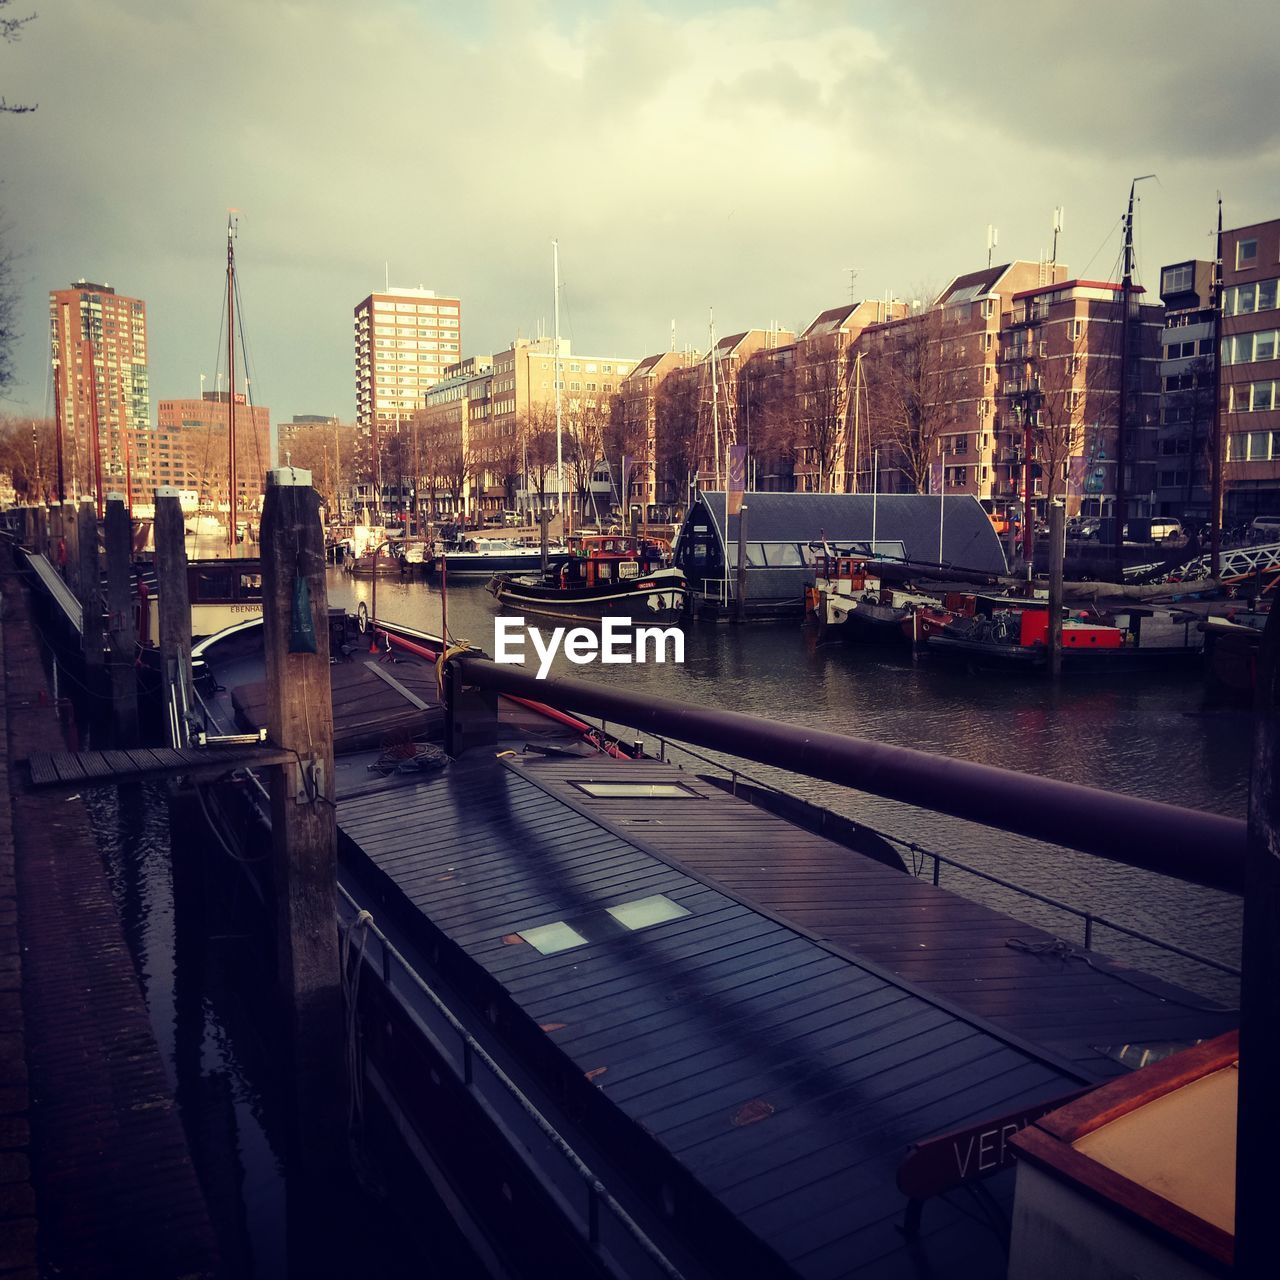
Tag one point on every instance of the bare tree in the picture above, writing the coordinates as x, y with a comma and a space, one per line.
907, 394
676, 433
10, 32
27, 454
823, 388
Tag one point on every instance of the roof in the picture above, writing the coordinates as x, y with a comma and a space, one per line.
832, 320
969, 540
973, 285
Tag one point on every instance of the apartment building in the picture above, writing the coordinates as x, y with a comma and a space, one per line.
832, 433
1061, 353
443, 429
98, 345
1250, 370
404, 341
636, 410
1187, 360
191, 450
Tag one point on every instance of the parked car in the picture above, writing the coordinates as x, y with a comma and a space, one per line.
1264, 529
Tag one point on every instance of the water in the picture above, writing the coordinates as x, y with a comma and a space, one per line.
1148, 735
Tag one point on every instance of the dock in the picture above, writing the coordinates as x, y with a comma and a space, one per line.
96, 1177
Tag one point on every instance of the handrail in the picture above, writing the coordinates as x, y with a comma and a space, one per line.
1189, 844
597, 1193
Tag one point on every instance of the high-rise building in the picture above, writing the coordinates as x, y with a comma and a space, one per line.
404, 339
98, 344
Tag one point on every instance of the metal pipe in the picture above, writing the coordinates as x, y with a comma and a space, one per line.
1202, 848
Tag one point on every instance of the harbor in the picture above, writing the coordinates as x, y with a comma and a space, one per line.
1101, 968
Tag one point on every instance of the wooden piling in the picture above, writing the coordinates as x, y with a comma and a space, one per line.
90, 586
122, 631
71, 531
175, 612
304, 831
544, 519
1057, 557
740, 595
1258, 1116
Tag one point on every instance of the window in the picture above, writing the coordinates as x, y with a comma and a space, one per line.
1177, 279
1077, 330
1259, 446
637, 790
1246, 253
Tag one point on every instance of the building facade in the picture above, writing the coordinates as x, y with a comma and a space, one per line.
1187, 358
1250, 389
98, 346
404, 341
191, 450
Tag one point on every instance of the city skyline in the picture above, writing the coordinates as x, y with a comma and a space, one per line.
740, 158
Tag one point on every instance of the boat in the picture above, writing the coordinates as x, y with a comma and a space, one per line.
851, 598
1232, 645
617, 1063
604, 575
1003, 633
479, 555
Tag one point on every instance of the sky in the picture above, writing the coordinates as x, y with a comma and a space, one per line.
692, 157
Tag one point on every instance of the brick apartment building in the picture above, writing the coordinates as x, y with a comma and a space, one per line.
1250, 370
191, 449
98, 345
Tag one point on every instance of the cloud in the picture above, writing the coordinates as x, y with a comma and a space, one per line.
736, 155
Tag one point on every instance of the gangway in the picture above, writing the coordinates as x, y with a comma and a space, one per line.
1236, 564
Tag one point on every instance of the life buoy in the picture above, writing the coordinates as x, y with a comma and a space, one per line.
362, 617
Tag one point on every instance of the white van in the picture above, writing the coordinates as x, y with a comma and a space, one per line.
1264, 529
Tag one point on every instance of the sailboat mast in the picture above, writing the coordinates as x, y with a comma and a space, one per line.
555, 269
715, 396
1215, 425
231, 384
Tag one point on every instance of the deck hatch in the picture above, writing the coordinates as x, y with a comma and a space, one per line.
637, 790
551, 938
643, 912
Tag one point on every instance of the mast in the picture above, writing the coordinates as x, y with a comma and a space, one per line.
1122, 420
231, 383
1215, 426
57, 423
715, 394
95, 441
857, 387
555, 269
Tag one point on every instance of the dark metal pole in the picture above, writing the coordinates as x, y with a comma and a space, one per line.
1057, 554
90, 587
740, 594
1203, 848
174, 610
1258, 1114
121, 632
231, 388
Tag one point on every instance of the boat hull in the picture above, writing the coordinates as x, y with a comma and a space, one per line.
471, 564
658, 597
991, 656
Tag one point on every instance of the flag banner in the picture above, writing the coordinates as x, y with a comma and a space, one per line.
737, 477
627, 465
935, 477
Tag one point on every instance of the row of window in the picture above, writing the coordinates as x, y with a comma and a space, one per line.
1253, 446
1248, 348
1184, 350
1245, 299
1253, 397
418, 308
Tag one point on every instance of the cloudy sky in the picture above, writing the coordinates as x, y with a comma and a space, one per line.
687, 154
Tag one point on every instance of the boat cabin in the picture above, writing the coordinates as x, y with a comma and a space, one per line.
598, 560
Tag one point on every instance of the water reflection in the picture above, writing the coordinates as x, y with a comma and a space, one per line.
1146, 735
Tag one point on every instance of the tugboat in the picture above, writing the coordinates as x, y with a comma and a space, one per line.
605, 575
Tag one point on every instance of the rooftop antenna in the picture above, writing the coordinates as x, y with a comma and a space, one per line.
673, 334
853, 275
386, 276
993, 239
1058, 211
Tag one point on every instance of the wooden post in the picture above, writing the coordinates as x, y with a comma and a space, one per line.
122, 632
740, 595
90, 586
1057, 555
1258, 1116
304, 831
56, 536
71, 531
175, 612
544, 518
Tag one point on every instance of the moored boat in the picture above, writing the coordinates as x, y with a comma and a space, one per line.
483, 556
606, 575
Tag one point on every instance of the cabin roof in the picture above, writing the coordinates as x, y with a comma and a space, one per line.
969, 540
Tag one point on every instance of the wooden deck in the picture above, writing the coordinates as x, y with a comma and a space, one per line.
1064, 1001
776, 1075
107, 768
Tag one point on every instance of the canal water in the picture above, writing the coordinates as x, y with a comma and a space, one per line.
204, 968
1150, 735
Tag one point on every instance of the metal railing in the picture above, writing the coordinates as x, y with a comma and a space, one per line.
920, 854
395, 965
